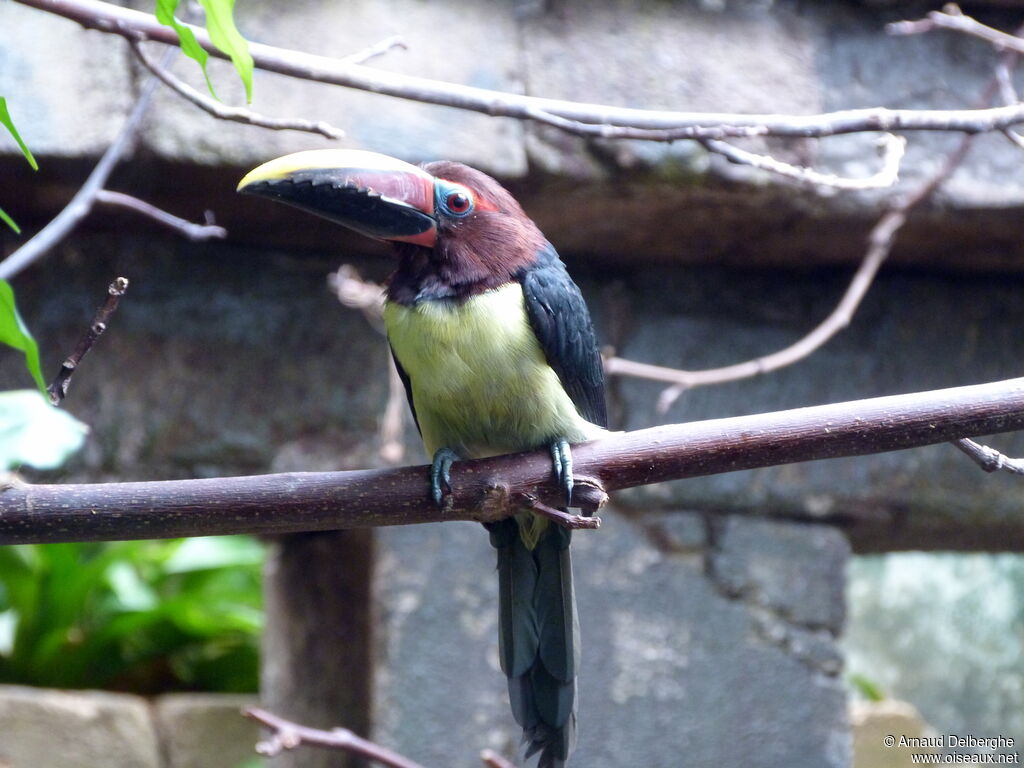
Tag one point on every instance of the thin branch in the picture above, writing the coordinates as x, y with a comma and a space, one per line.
893, 150
492, 759
989, 459
1009, 93
392, 421
880, 242
564, 519
288, 735
187, 229
225, 112
313, 501
81, 204
379, 48
95, 14
1015, 138
356, 293
58, 388
952, 18
886, 177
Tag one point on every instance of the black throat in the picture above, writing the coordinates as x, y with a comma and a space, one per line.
425, 274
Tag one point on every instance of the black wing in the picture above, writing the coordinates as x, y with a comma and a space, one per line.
559, 317
407, 383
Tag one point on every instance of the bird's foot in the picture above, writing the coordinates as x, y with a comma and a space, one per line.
562, 458
441, 474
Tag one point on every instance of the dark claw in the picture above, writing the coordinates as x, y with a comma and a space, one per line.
562, 458
441, 473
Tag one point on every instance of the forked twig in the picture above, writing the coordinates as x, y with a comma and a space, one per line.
288, 735
185, 228
58, 388
989, 459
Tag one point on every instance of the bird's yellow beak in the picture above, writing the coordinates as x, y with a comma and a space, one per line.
378, 196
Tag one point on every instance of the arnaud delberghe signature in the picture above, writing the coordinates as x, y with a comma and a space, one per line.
953, 741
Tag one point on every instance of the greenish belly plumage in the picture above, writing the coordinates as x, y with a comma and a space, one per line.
480, 383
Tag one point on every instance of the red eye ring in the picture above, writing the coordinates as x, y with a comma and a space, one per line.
459, 202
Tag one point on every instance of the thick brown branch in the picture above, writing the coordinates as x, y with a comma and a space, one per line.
58, 388
289, 735
331, 500
654, 125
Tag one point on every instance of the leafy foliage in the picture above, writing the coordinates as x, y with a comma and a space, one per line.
8, 123
220, 23
145, 616
35, 433
14, 333
5, 120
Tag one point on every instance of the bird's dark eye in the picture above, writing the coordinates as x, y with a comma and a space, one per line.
459, 202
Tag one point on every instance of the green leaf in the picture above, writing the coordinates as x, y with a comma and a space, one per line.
14, 333
869, 689
9, 222
5, 119
220, 23
186, 37
210, 552
33, 432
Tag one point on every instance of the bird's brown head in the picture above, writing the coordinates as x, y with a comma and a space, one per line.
457, 231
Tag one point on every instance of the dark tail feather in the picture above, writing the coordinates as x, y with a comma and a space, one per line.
538, 638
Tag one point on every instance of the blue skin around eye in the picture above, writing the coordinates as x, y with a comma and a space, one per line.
443, 190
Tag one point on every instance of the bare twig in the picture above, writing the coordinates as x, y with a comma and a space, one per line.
316, 501
288, 735
492, 759
85, 197
379, 48
565, 519
1015, 138
1008, 93
952, 18
225, 112
58, 388
989, 459
187, 229
675, 125
392, 422
356, 293
880, 242
887, 176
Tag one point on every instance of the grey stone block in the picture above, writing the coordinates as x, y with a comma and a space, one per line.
72, 729
785, 569
205, 730
68, 90
663, 648
406, 129
900, 341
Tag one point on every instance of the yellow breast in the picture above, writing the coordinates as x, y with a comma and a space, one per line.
480, 383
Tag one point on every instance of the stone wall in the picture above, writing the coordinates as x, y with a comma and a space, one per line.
72, 729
